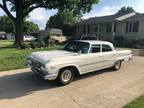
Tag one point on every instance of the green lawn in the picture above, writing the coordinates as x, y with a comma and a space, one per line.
5, 43
11, 58
138, 103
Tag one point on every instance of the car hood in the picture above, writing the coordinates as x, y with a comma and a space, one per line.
45, 56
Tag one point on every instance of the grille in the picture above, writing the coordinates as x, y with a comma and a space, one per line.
35, 64
36, 67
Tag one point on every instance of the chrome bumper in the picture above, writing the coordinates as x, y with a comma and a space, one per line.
50, 77
44, 76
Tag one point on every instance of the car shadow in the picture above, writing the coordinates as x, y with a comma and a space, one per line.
18, 85
22, 84
91, 74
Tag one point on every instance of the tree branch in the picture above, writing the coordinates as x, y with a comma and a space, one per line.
12, 1
31, 9
4, 7
4, 3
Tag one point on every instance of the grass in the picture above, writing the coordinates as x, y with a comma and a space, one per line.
138, 103
11, 58
5, 43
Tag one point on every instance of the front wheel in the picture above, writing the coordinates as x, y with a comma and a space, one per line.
117, 65
65, 76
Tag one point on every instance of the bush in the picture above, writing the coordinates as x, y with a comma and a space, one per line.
48, 41
37, 44
129, 43
25, 45
33, 45
119, 41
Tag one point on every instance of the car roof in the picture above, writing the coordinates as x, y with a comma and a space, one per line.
92, 42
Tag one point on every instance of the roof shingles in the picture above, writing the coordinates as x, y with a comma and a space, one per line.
112, 18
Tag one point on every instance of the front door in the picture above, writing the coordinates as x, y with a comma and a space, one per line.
91, 61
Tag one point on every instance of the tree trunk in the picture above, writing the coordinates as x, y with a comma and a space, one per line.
19, 23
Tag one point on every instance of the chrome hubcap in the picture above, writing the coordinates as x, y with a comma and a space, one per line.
117, 65
66, 75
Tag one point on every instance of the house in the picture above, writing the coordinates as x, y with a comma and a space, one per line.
124, 26
54, 33
10, 36
7, 36
2, 35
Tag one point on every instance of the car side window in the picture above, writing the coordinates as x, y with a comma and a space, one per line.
95, 49
106, 48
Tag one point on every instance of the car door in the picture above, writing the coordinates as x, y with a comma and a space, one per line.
107, 55
92, 61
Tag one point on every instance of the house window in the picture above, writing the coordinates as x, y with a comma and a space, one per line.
84, 29
88, 29
115, 27
132, 27
136, 26
96, 29
109, 27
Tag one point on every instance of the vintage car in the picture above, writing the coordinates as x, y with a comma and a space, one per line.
77, 57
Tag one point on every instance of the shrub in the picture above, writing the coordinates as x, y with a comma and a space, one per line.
119, 41
48, 41
33, 45
37, 44
25, 45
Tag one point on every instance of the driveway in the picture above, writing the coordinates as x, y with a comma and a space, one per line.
102, 89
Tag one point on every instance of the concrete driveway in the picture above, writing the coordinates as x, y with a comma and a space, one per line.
103, 89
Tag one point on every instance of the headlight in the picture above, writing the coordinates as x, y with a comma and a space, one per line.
27, 57
52, 67
43, 65
29, 62
44, 71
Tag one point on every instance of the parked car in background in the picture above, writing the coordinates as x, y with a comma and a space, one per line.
80, 57
29, 38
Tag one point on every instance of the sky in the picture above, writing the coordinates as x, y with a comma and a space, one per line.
104, 7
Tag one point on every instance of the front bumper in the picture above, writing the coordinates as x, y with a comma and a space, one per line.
43, 74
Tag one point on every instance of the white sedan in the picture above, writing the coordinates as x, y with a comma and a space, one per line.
80, 57
29, 38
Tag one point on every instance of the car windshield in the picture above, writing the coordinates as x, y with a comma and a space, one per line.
76, 46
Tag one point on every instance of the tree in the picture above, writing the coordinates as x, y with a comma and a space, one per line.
61, 19
23, 7
125, 10
30, 27
7, 25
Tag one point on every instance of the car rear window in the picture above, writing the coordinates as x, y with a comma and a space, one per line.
106, 48
95, 49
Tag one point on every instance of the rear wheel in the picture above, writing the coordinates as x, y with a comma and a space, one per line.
65, 76
117, 65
